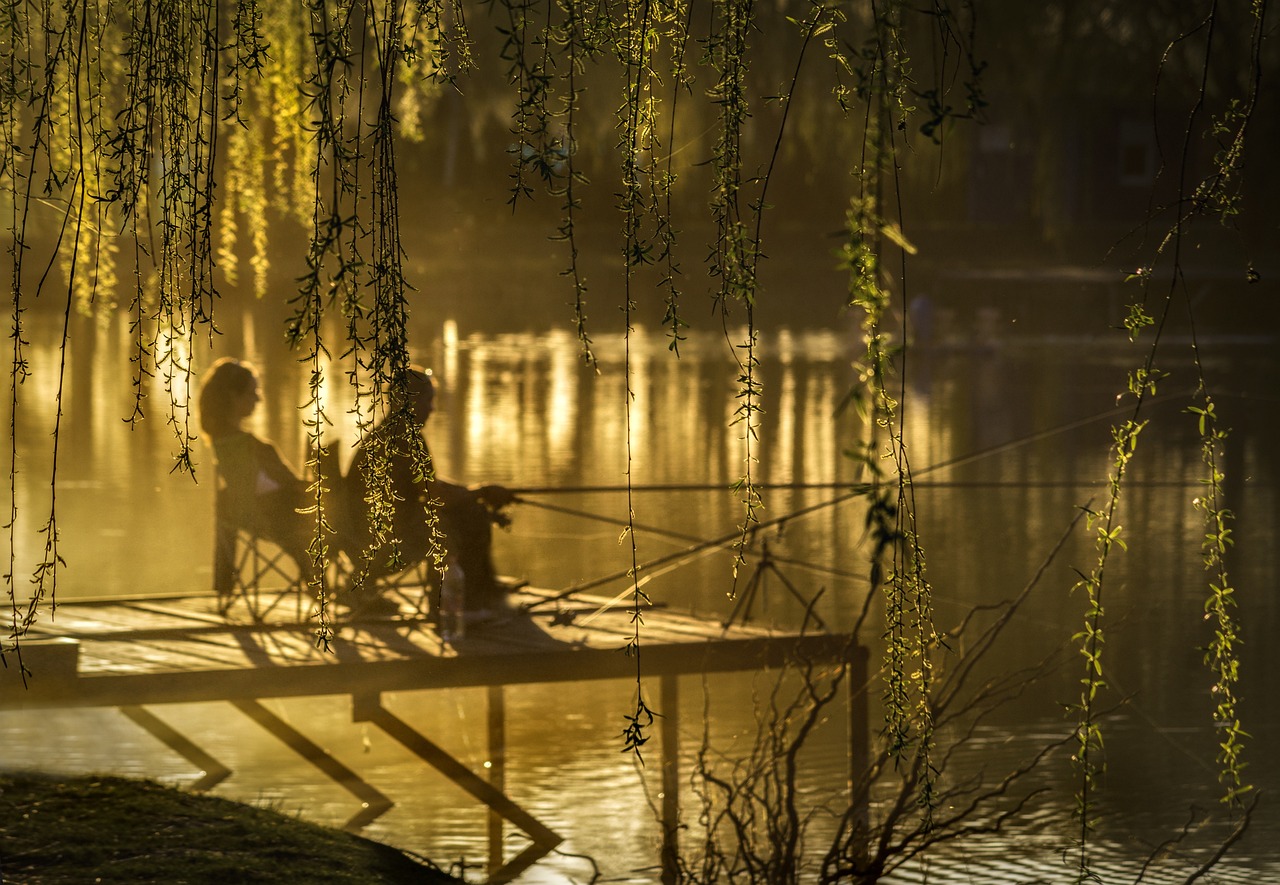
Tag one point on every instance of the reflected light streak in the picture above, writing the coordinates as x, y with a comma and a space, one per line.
337, 401
530, 416
474, 417
562, 406
249, 335
785, 347
174, 376
744, 445
606, 443
821, 443
451, 347
678, 420
641, 404
784, 437
38, 395
492, 417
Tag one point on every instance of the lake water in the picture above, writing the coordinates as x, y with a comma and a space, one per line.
1008, 435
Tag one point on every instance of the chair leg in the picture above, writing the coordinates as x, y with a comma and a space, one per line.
243, 567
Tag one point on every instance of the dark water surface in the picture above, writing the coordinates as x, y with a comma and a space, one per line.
1007, 437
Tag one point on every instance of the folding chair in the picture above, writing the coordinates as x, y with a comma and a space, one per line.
253, 571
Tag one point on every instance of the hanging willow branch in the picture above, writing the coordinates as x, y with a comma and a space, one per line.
126, 130
580, 39
1215, 195
637, 141
735, 251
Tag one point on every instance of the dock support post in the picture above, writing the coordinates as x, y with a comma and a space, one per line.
497, 770
669, 700
856, 684
368, 708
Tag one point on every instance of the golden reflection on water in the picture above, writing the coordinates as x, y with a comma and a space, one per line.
562, 404
522, 409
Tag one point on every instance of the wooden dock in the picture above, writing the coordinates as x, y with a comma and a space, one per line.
136, 654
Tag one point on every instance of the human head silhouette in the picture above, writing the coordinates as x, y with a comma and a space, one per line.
418, 395
228, 395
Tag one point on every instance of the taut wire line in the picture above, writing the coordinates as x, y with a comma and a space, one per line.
718, 542
855, 490
858, 487
614, 521
690, 539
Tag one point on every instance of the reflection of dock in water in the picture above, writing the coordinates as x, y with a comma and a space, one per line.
136, 654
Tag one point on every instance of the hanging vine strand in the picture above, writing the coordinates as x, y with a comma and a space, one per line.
153, 155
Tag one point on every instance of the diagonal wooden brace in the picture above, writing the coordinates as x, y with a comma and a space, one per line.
368, 708
374, 803
213, 772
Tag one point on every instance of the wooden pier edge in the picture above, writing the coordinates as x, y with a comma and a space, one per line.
711, 650
363, 677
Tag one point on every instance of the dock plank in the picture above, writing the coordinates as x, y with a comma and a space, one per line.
180, 649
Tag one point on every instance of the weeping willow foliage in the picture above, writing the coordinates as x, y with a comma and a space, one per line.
1216, 194
147, 139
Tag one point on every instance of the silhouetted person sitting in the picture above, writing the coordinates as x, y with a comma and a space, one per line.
257, 490
465, 515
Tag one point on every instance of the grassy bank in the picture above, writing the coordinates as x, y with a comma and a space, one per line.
108, 829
